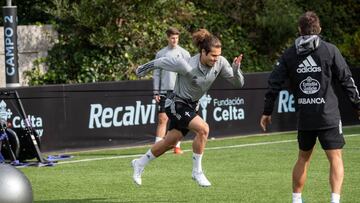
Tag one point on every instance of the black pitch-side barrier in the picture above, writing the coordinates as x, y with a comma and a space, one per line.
83, 116
18, 147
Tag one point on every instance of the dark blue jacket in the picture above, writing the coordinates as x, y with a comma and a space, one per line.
312, 77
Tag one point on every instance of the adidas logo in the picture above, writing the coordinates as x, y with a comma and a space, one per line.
308, 66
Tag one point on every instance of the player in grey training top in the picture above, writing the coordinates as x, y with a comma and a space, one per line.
194, 78
164, 82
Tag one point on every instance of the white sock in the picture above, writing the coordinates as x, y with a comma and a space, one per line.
296, 198
197, 162
335, 198
178, 144
157, 139
146, 158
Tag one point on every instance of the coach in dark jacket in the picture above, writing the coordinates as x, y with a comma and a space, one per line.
312, 67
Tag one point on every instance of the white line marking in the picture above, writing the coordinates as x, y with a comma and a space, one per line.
100, 158
249, 145
188, 150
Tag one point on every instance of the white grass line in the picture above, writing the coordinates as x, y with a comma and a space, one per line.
352, 135
100, 158
249, 145
185, 141
188, 150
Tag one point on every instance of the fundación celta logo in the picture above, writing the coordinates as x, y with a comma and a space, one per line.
229, 109
204, 101
5, 113
18, 122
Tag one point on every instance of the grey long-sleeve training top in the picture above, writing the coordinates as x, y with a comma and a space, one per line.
164, 81
194, 79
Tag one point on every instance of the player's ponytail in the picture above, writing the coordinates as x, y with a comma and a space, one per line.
203, 39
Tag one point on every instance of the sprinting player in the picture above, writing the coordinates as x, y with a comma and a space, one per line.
312, 67
164, 82
195, 77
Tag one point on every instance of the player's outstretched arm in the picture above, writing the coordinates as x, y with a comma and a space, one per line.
232, 73
142, 70
236, 65
275, 81
237, 61
172, 64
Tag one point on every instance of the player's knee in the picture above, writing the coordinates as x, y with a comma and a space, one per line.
305, 156
304, 159
334, 156
204, 131
163, 120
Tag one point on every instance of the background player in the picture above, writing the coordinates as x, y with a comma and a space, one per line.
164, 82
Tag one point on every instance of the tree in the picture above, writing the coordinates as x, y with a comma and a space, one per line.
340, 25
109, 45
258, 28
31, 11
103, 40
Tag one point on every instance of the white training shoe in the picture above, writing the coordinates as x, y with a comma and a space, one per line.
200, 178
137, 171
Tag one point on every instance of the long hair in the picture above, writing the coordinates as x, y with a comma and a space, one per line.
203, 39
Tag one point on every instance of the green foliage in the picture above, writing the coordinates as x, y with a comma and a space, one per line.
30, 11
102, 40
351, 48
256, 28
275, 25
340, 25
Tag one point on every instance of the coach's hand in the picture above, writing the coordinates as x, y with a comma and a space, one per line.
265, 121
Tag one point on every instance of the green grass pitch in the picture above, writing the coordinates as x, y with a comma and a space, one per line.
241, 169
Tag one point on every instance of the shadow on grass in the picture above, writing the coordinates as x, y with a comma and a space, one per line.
93, 200
89, 200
